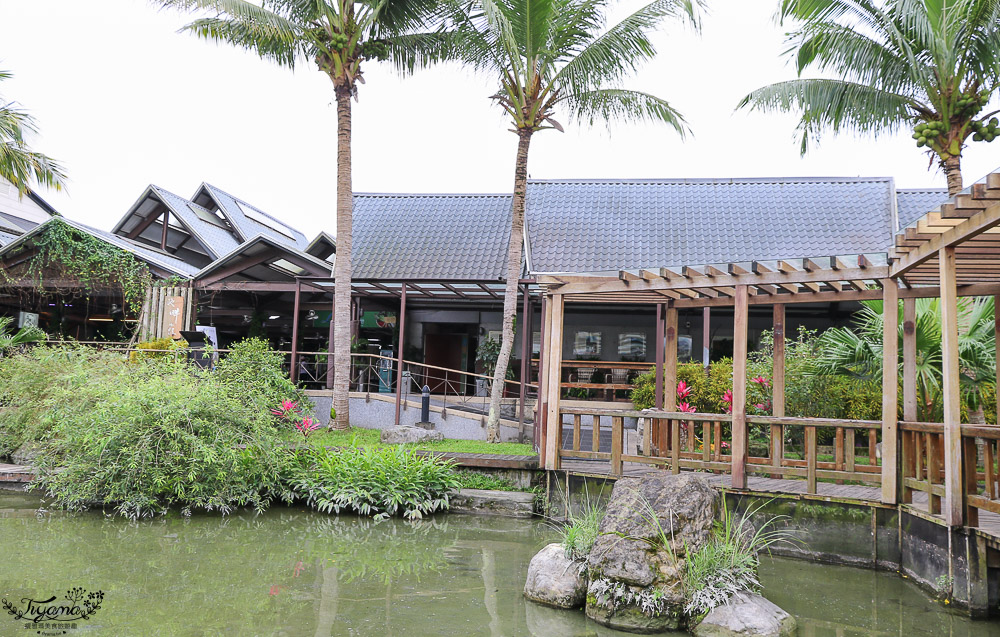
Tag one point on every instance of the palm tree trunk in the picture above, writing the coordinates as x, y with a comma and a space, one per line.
514, 249
953, 173
342, 266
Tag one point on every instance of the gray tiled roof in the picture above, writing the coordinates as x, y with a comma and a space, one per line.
5, 238
400, 236
250, 228
217, 240
913, 203
606, 225
156, 257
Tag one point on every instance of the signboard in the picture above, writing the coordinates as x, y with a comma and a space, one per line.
173, 316
380, 319
322, 318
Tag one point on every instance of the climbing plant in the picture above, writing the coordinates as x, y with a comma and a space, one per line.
62, 251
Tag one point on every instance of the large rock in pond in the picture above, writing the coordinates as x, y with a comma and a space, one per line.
555, 579
636, 566
406, 434
746, 615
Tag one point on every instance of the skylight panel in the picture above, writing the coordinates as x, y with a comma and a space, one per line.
259, 217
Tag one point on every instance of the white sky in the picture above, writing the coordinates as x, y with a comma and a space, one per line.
124, 101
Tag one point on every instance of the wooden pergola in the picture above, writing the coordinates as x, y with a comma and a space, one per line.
952, 251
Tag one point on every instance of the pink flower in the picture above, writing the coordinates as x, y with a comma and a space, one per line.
306, 426
760, 380
683, 390
727, 400
287, 408
725, 445
686, 408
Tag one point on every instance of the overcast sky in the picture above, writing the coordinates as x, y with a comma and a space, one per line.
124, 101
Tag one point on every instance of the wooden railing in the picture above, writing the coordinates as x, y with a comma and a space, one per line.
980, 455
923, 462
703, 442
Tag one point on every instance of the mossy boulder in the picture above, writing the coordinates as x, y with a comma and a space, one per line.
637, 563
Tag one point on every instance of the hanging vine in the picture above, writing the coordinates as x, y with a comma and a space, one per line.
63, 252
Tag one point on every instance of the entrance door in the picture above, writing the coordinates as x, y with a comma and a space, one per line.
444, 350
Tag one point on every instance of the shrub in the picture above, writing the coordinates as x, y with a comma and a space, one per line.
380, 482
478, 480
253, 368
37, 382
156, 348
157, 434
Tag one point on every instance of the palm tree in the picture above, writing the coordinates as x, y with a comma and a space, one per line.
549, 55
18, 163
339, 36
857, 351
25, 335
927, 64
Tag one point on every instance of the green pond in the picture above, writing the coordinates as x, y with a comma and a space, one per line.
293, 572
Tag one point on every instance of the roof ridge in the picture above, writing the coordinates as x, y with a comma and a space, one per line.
432, 194
708, 180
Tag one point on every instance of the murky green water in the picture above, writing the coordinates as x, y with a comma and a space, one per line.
294, 572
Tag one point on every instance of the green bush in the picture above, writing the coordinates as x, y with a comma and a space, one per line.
252, 368
156, 434
379, 482
37, 383
156, 348
477, 480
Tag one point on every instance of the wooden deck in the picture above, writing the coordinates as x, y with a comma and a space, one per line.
989, 523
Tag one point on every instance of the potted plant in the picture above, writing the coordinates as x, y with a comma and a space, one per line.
487, 353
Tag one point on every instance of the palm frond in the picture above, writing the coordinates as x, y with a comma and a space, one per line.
836, 105
620, 50
624, 105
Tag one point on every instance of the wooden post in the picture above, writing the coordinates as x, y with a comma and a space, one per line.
740, 318
553, 419
909, 395
670, 384
706, 336
399, 351
295, 331
617, 431
525, 358
166, 226
778, 386
953, 488
541, 405
658, 392
890, 391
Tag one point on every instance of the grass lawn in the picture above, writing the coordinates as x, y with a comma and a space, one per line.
358, 437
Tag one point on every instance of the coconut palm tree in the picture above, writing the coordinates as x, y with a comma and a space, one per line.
18, 163
550, 56
857, 351
931, 65
339, 37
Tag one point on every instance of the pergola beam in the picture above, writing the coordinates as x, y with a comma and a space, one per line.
976, 224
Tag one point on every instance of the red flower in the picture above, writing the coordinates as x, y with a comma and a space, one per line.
287, 408
760, 380
683, 390
727, 399
686, 408
307, 425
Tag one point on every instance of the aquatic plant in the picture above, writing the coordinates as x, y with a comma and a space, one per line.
729, 562
618, 595
379, 482
579, 531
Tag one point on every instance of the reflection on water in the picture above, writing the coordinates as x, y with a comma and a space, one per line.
294, 572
